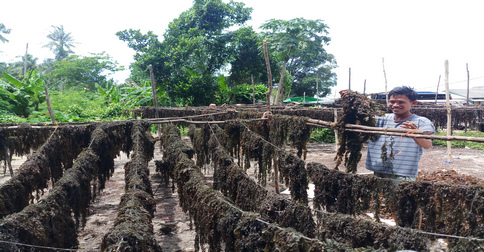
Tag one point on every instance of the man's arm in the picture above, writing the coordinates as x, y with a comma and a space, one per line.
423, 142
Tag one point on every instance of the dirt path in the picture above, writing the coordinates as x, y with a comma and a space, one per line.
172, 226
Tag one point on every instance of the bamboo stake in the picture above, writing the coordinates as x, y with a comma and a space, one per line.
253, 88
336, 136
449, 114
467, 68
49, 106
437, 92
155, 96
269, 77
25, 60
349, 79
385, 75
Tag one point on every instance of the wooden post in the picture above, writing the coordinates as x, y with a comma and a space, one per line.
349, 79
364, 87
268, 96
437, 92
269, 77
155, 97
317, 89
449, 114
253, 88
49, 107
25, 60
467, 67
385, 75
336, 137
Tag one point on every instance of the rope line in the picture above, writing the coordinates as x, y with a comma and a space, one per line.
37, 246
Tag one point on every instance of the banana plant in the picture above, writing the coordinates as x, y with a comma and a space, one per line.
27, 93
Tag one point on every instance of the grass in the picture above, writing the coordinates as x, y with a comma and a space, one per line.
322, 135
461, 144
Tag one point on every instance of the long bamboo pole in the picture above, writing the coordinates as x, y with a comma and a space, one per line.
449, 112
269, 76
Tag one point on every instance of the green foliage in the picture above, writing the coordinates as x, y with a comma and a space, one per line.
183, 130
3, 30
83, 72
61, 42
461, 144
299, 43
8, 118
248, 59
197, 40
243, 93
24, 94
322, 135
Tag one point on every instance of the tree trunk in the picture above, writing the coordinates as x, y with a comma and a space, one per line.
280, 89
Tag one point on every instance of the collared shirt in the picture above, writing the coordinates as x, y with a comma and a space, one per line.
402, 153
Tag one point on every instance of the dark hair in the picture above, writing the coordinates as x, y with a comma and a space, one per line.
404, 90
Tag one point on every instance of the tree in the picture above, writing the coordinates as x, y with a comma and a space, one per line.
61, 43
3, 30
298, 45
198, 40
247, 60
83, 72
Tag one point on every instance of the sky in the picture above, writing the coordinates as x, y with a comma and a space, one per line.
411, 39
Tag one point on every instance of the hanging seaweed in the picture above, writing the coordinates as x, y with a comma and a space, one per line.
49, 222
357, 109
299, 134
133, 229
200, 139
233, 132
295, 175
341, 192
361, 233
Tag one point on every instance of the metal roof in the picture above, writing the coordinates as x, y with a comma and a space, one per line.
475, 93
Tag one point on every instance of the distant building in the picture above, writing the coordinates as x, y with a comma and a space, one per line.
476, 95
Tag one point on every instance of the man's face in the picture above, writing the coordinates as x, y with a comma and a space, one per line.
400, 104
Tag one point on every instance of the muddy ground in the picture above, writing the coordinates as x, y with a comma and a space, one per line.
172, 226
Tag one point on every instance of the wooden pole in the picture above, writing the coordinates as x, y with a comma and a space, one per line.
25, 59
467, 68
49, 107
155, 97
269, 77
268, 96
253, 88
336, 136
317, 89
449, 115
364, 87
437, 92
349, 79
385, 75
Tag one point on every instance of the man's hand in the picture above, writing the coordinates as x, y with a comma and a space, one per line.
424, 143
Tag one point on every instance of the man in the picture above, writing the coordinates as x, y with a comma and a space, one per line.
400, 159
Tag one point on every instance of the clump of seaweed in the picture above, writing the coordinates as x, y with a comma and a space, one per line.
133, 230
357, 109
294, 173
361, 233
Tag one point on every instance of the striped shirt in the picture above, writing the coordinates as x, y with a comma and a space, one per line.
402, 153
